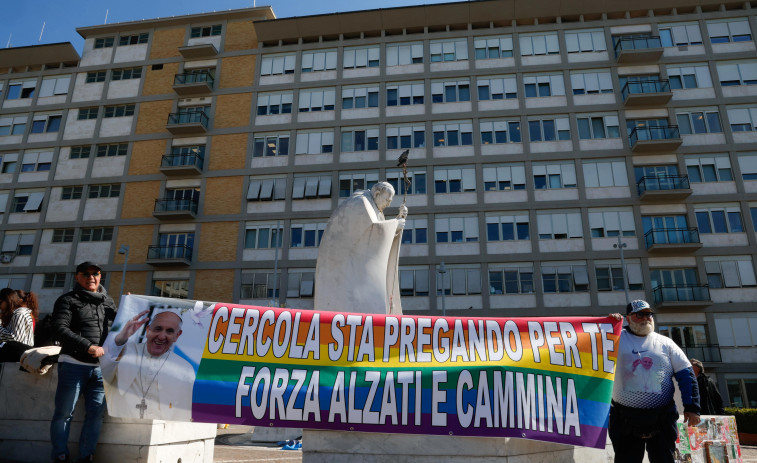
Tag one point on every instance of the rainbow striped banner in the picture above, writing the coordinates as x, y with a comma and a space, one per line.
546, 379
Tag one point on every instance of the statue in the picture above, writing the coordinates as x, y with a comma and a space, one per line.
358, 256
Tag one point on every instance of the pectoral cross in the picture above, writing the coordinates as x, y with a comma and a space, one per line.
142, 406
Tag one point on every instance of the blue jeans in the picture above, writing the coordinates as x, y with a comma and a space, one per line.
74, 380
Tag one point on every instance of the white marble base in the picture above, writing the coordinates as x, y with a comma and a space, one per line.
27, 404
270, 434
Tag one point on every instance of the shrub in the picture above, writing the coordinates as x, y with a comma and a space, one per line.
746, 418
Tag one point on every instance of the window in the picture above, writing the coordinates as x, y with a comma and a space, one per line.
497, 88
300, 283
317, 99
417, 179
559, 225
95, 76
742, 119
274, 103
360, 97
306, 235
460, 281
729, 272
173, 246
415, 231
611, 222
262, 236
730, 30
63, 235
405, 136
315, 142
311, 186
104, 191
748, 166
539, 44
610, 277
21, 89
103, 42
271, 145
450, 92
404, 53
123, 110
54, 280
87, 113
691, 76
27, 202
744, 73
405, 94
360, 139
667, 229
133, 39
349, 183
597, 127
115, 149
316, 61
507, 227
680, 34
511, 279
52, 86
454, 180
37, 162
71, 192
504, 177
12, 125
414, 281
554, 175
80, 152
259, 285
493, 47
712, 168
564, 278
591, 82
453, 133
718, 219
186, 155
273, 65
96, 234
9, 163
698, 122
361, 57
456, 229
549, 129
605, 173
205, 31
267, 189
448, 50
21, 243
742, 392
46, 123
585, 41
128, 73
499, 131
177, 289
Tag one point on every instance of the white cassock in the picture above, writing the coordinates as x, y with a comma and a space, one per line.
165, 382
357, 262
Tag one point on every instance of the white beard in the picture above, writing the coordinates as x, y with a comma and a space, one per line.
642, 328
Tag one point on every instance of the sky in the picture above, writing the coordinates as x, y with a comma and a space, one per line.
22, 21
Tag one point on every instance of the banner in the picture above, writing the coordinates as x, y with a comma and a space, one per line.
547, 379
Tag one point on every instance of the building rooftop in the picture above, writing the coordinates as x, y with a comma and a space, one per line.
52, 53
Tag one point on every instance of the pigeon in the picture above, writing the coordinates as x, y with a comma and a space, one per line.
402, 160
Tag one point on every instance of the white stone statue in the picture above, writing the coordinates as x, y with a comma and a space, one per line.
358, 256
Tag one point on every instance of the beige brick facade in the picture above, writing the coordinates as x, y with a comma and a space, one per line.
160, 82
237, 71
233, 110
139, 199
136, 283
153, 116
138, 238
240, 35
228, 152
214, 285
166, 43
146, 156
222, 195
218, 242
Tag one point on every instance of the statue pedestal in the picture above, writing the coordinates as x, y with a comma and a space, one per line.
27, 405
347, 447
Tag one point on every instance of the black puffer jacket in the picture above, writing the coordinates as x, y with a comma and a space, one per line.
82, 319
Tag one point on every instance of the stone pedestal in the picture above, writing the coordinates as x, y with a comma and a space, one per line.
26, 407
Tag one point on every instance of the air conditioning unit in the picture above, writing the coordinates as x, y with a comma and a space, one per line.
6, 258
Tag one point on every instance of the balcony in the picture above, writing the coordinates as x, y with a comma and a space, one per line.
703, 352
187, 123
193, 83
199, 51
654, 139
175, 208
681, 297
646, 93
672, 240
638, 49
663, 187
169, 255
181, 164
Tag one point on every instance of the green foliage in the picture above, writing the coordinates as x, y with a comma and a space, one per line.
746, 418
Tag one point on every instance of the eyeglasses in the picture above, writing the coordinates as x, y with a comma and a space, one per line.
643, 314
87, 275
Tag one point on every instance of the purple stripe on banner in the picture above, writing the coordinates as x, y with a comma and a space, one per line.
591, 436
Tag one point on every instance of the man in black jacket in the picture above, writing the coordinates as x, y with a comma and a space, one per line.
709, 397
81, 321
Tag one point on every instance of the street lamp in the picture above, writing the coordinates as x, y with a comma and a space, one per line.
124, 249
620, 245
442, 271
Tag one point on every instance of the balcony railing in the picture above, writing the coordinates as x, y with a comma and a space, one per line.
188, 122
194, 78
646, 92
703, 352
638, 48
662, 183
671, 236
655, 138
169, 254
681, 293
176, 205
181, 163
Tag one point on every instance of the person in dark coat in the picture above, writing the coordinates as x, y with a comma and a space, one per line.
710, 399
